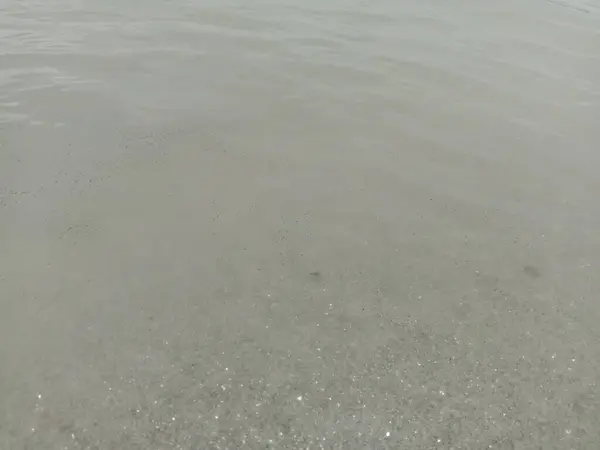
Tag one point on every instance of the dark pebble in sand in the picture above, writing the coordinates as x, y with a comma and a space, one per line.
532, 271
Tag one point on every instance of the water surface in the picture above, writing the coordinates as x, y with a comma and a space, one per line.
337, 225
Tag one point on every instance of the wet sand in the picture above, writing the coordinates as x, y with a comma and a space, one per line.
299, 225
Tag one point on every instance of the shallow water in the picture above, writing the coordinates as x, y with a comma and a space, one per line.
299, 224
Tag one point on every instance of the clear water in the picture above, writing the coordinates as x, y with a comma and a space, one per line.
291, 224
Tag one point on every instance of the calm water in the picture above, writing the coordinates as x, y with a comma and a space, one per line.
286, 224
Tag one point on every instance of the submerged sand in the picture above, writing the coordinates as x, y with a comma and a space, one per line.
299, 225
